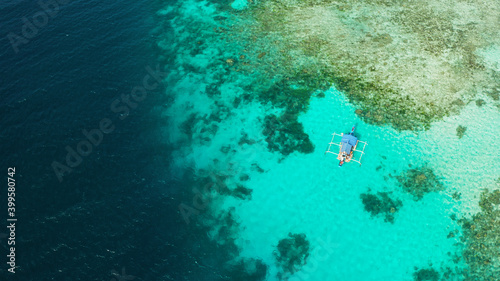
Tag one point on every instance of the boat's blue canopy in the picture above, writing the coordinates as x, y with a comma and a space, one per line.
348, 141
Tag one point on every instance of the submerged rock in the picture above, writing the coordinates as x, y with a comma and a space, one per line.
419, 182
245, 139
242, 192
461, 131
426, 274
480, 102
247, 270
381, 204
291, 254
286, 135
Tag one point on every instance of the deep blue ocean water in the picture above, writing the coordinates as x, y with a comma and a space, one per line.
114, 216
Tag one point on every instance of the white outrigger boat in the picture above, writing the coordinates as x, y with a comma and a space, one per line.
348, 145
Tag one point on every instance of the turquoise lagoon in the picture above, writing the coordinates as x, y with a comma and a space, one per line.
309, 193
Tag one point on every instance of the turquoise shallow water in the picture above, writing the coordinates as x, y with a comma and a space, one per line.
309, 193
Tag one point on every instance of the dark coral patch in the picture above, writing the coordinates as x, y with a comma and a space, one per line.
461, 131
419, 182
482, 237
242, 192
286, 135
381, 204
426, 274
291, 254
480, 102
247, 270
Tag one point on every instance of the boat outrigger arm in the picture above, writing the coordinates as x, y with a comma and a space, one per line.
348, 147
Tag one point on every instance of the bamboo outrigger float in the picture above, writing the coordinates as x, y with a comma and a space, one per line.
347, 147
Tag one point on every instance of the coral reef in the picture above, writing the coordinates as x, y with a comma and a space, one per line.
216, 251
291, 254
229, 50
480, 102
242, 192
419, 182
426, 274
456, 195
461, 131
244, 177
225, 228
202, 128
294, 92
247, 269
403, 63
245, 140
286, 135
494, 95
217, 184
482, 239
257, 168
381, 204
